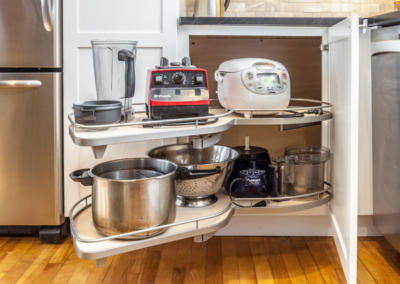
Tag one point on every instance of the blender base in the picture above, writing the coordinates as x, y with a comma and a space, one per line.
195, 203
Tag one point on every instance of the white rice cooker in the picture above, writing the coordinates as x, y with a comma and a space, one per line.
253, 83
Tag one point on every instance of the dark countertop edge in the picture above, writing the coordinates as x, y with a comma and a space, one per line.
264, 21
385, 20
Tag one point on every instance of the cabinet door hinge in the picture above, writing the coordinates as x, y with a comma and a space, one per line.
364, 26
324, 47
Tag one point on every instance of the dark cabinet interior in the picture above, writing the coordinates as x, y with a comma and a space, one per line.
302, 58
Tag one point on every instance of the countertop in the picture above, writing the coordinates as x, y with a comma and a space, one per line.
388, 19
385, 20
264, 21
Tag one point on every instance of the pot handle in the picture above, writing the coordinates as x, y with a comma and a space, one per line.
185, 174
82, 176
217, 77
88, 115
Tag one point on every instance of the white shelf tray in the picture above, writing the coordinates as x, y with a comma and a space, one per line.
120, 133
202, 230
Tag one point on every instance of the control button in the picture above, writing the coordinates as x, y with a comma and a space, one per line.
284, 76
279, 87
249, 76
178, 78
260, 88
250, 84
284, 82
158, 79
198, 79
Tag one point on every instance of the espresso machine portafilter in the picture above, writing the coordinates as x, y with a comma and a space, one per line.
114, 70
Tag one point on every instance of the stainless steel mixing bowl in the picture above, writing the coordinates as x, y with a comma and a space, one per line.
200, 191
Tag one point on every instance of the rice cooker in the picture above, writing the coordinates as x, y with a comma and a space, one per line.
253, 83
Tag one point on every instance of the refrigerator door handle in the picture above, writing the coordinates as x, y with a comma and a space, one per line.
47, 14
10, 84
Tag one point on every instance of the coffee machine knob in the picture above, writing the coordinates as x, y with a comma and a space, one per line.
178, 78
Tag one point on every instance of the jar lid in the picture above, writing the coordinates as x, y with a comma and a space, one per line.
98, 105
304, 154
113, 42
253, 153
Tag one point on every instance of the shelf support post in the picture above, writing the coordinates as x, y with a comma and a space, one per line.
100, 262
203, 238
98, 151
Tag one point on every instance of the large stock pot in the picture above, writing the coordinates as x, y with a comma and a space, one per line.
131, 194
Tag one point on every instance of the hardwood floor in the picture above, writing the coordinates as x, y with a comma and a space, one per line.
230, 260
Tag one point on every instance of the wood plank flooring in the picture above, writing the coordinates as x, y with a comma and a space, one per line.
228, 260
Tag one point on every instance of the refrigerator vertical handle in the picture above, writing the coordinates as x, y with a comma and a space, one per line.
47, 14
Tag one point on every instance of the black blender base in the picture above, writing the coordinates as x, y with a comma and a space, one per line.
54, 234
195, 203
174, 112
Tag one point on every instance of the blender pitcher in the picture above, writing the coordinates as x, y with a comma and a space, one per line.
114, 72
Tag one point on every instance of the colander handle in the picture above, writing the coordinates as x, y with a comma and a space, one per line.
82, 176
185, 174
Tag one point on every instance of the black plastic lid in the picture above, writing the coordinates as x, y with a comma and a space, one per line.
98, 105
253, 153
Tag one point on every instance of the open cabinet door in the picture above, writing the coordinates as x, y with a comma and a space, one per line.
343, 40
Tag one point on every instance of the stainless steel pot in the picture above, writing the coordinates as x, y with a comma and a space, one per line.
210, 8
199, 191
131, 194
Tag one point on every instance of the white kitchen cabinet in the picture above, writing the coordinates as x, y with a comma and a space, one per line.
341, 85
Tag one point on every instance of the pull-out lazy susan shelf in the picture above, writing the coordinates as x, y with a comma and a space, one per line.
99, 136
200, 223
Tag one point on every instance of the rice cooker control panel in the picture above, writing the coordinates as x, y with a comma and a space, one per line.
265, 79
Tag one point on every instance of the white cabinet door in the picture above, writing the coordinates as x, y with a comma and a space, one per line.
153, 23
343, 40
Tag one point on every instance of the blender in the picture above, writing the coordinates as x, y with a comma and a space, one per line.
114, 72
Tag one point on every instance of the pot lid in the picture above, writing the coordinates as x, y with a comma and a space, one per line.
236, 65
98, 105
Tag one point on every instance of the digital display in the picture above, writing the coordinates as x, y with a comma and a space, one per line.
268, 78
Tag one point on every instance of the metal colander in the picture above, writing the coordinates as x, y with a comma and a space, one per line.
185, 156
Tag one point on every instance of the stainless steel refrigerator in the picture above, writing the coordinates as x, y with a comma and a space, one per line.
385, 70
31, 188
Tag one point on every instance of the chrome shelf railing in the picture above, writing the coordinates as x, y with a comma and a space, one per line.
322, 105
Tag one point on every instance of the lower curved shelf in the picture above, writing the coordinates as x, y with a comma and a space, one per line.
89, 246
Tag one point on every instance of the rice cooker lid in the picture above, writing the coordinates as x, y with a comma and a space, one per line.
236, 65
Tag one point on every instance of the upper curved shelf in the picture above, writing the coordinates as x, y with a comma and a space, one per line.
134, 131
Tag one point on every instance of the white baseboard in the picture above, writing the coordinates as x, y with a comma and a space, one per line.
289, 226
366, 227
